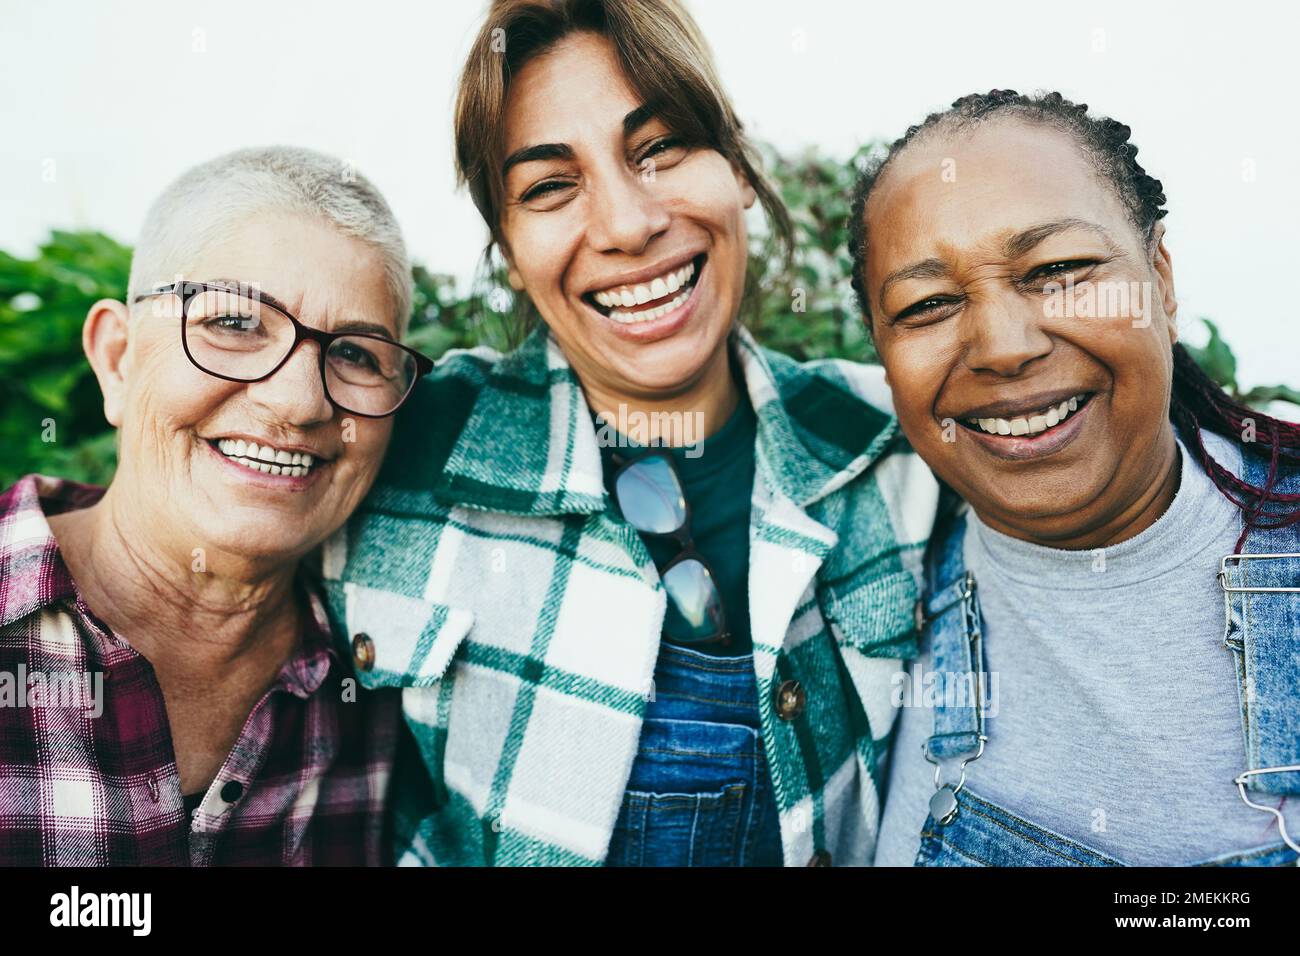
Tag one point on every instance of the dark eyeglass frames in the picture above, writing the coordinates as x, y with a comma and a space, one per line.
649, 493
233, 332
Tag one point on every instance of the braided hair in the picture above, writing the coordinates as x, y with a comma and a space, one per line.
1197, 403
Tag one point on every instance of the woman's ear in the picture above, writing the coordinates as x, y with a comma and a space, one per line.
1162, 264
512, 274
747, 193
513, 277
104, 337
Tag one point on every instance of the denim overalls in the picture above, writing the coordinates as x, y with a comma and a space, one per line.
1263, 631
700, 793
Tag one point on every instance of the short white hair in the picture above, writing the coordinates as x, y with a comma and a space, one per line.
203, 206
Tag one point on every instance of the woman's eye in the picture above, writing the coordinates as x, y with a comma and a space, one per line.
662, 153
233, 323
933, 307
545, 188
355, 355
1056, 270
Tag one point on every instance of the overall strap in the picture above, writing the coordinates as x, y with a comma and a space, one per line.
1262, 593
952, 616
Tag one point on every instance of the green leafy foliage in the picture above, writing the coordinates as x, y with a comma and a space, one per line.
1216, 358
806, 307
51, 414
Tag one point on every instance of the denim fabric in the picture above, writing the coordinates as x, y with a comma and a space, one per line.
1264, 635
1263, 628
700, 793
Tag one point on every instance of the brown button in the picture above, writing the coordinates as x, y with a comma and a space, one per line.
363, 651
820, 858
790, 699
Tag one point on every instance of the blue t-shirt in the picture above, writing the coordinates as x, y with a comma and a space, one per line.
718, 479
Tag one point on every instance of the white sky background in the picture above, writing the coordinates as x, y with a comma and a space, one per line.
115, 94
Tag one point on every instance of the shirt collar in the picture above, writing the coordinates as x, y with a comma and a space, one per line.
529, 447
32, 572
33, 575
308, 666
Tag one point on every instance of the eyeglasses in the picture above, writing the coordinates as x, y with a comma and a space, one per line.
236, 333
649, 493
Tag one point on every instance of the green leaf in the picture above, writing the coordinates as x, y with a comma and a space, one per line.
1216, 358
1261, 395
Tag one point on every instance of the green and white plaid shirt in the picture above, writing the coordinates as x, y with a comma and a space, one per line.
497, 584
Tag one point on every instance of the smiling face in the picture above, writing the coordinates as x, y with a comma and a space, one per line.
1026, 330
630, 242
186, 436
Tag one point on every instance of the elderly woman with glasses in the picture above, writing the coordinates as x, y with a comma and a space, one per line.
175, 697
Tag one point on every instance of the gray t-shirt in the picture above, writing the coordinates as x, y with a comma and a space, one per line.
1115, 719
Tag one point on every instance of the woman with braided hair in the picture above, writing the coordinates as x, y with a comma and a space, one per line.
1110, 664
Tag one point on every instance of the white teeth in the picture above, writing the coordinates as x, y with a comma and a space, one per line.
628, 296
265, 459
648, 315
1032, 424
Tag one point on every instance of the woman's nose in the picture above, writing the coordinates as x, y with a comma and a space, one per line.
1003, 334
295, 394
626, 212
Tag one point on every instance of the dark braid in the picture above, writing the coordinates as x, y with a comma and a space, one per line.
1196, 402
1105, 141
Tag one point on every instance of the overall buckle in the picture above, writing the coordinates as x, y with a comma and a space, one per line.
1240, 781
1223, 573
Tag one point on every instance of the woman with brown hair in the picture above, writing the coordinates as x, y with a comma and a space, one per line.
617, 653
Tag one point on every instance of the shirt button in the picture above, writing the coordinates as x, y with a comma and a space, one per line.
363, 651
232, 791
820, 858
790, 699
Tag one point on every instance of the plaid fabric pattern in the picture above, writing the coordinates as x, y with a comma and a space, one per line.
305, 784
522, 615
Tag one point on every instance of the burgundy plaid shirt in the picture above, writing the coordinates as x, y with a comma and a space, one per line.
306, 783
